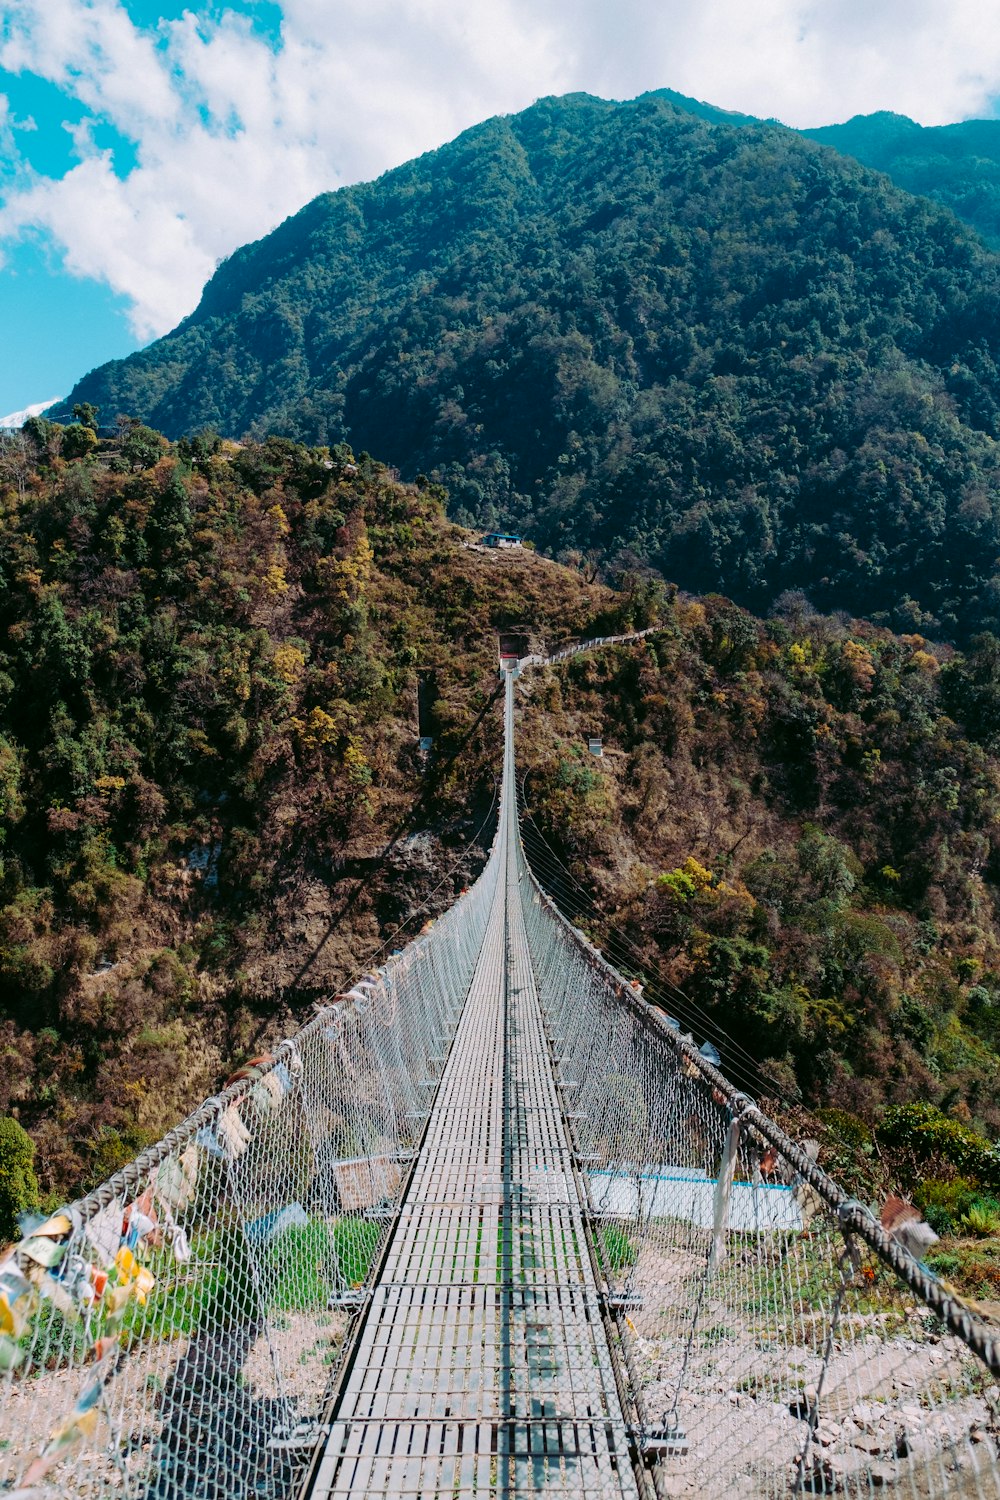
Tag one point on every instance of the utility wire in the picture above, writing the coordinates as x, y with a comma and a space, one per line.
681, 1004
424, 800
680, 1001
668, 997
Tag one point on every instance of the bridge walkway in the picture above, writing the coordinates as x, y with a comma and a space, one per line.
481, 1365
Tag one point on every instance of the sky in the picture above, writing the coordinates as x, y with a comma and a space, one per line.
141, 144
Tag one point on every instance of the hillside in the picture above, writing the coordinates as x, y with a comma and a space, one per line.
793, 817
722, 348
791, 841
957, 165
212, 808
213, 811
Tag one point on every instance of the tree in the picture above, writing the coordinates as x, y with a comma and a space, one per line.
45, 435
142, 447
78, 441
15, 461
972, 690
18, 1183
86, 415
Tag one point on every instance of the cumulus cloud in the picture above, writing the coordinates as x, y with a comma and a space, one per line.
233, 131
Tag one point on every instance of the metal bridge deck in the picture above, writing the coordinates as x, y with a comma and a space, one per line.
482, 1366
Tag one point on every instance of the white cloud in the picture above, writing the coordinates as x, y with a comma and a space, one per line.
9, 155
232, 132
807, 62
123, 233
92, 50
15, 419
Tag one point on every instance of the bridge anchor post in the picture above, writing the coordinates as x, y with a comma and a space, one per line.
350, 1300
668, 1441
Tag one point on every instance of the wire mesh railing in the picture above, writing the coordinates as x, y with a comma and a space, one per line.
778, 1342
176, 1332
574, 648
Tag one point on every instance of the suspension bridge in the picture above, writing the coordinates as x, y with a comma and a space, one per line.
488, 1225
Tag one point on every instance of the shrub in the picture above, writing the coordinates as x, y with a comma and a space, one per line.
78, 442
18, 1183
945, 1204
983, 1219
974, 1270
848, 1128
687, 880
923, 1130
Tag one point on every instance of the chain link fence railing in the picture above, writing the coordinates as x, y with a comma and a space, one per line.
777, 1341
176, 1333
574, 648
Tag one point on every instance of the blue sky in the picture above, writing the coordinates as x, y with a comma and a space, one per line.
141, 144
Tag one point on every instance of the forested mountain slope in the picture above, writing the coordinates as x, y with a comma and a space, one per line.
741, 356
213, 812
791, 840
798, 816
212, 807
956, 165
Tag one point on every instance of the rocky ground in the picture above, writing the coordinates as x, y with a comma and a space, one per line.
883, 1402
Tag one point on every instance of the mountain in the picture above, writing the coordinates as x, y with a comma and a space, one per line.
722, 348
956, 165
705, 111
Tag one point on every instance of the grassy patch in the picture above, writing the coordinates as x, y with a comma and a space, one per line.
617, 1249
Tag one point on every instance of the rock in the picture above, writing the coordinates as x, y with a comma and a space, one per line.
838, 1469
879, 1441
921, 1447
865, 1416
883, 1474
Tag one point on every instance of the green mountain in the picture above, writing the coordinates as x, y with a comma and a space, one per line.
627, 329
956, 165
